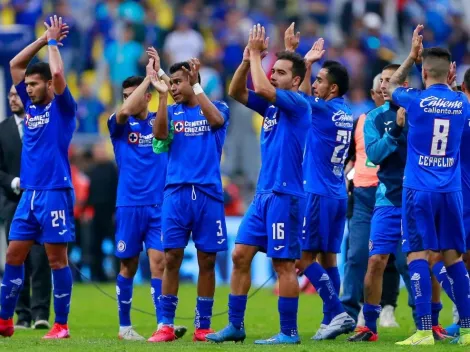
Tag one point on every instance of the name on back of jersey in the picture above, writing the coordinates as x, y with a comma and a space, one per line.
192, 128
435, 105
342, 119
140, 140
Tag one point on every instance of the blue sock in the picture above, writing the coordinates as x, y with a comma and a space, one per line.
371, 314
124, 298
333, 273
203, 312
156, 291
288, 307
461, 289
11, 287
62, 293
236, 310
440, 272
324, 286
435, 310
421, 287
168, 305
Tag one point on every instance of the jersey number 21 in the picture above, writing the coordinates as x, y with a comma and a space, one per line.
343, 137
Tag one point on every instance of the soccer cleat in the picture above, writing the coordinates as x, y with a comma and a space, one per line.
200, 334
439, 333
420, 337
280, 339
164, 334
363, 334
6, 327
387, 317
180, 331
58, 331
360, 318
41, 325
229, 333
453, 330
319, 332
464, 339
22, 325
129, 334
341, 324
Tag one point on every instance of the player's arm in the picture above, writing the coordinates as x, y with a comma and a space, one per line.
160, 126
153, 54
20, 62
238, 86
399, 77
55, 61
314, 55
257, 44
378, 148
210, 111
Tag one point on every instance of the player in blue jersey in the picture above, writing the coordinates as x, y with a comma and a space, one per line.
140, 194
273, 222
385, 143
195, 129
45, 211
432, 196
323, 171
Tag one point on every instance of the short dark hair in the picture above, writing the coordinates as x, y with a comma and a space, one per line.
179, 66
393, 67
39, 68
298, 62
134, 81
437, 61
337, 74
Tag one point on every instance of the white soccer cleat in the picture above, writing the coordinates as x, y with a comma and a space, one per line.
341, 324
318, 335
360, 318
387, 318
128, 333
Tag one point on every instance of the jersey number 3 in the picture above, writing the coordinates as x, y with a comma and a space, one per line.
343, 137
439, 138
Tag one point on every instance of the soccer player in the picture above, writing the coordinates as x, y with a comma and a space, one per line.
385, 142
140, 194
273, 222
432, 197
326, 149
195, 130
45, 211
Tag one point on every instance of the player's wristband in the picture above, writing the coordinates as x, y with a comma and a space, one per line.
161, 73
52, 42
197, 89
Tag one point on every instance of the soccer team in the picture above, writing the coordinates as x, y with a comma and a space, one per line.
170, 187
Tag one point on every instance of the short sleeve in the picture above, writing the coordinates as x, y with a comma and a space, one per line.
224, 110
405, 96
257, 103
291, 102
21, 90
66, 103
115, 129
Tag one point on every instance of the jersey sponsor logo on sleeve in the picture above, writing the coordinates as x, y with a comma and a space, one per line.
121, 246
435, 105
342, 119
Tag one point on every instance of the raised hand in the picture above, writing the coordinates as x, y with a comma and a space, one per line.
194, 65
246, 54
401, 117
153, 54
149, 69
316, 52
291, 39
416, 43
55, 30
451, 78
159, 85
257, 40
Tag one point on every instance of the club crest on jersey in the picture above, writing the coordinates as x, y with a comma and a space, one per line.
133, 137
151, 122
121, 247
179, 126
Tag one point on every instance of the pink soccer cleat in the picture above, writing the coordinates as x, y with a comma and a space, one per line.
164, 334
58, 331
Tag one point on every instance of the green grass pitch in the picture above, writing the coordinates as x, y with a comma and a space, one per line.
94, 325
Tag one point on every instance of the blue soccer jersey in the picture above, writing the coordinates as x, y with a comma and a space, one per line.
141, 171
283, 135
48, 130
436, 118
196, 149
327, 147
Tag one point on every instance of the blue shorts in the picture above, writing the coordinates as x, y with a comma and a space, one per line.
324, 223
432, 221
188, 211
136, 226
385, 231
45, 217
273, 223
466, 224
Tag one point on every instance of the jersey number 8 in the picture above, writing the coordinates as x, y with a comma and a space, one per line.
439, 138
